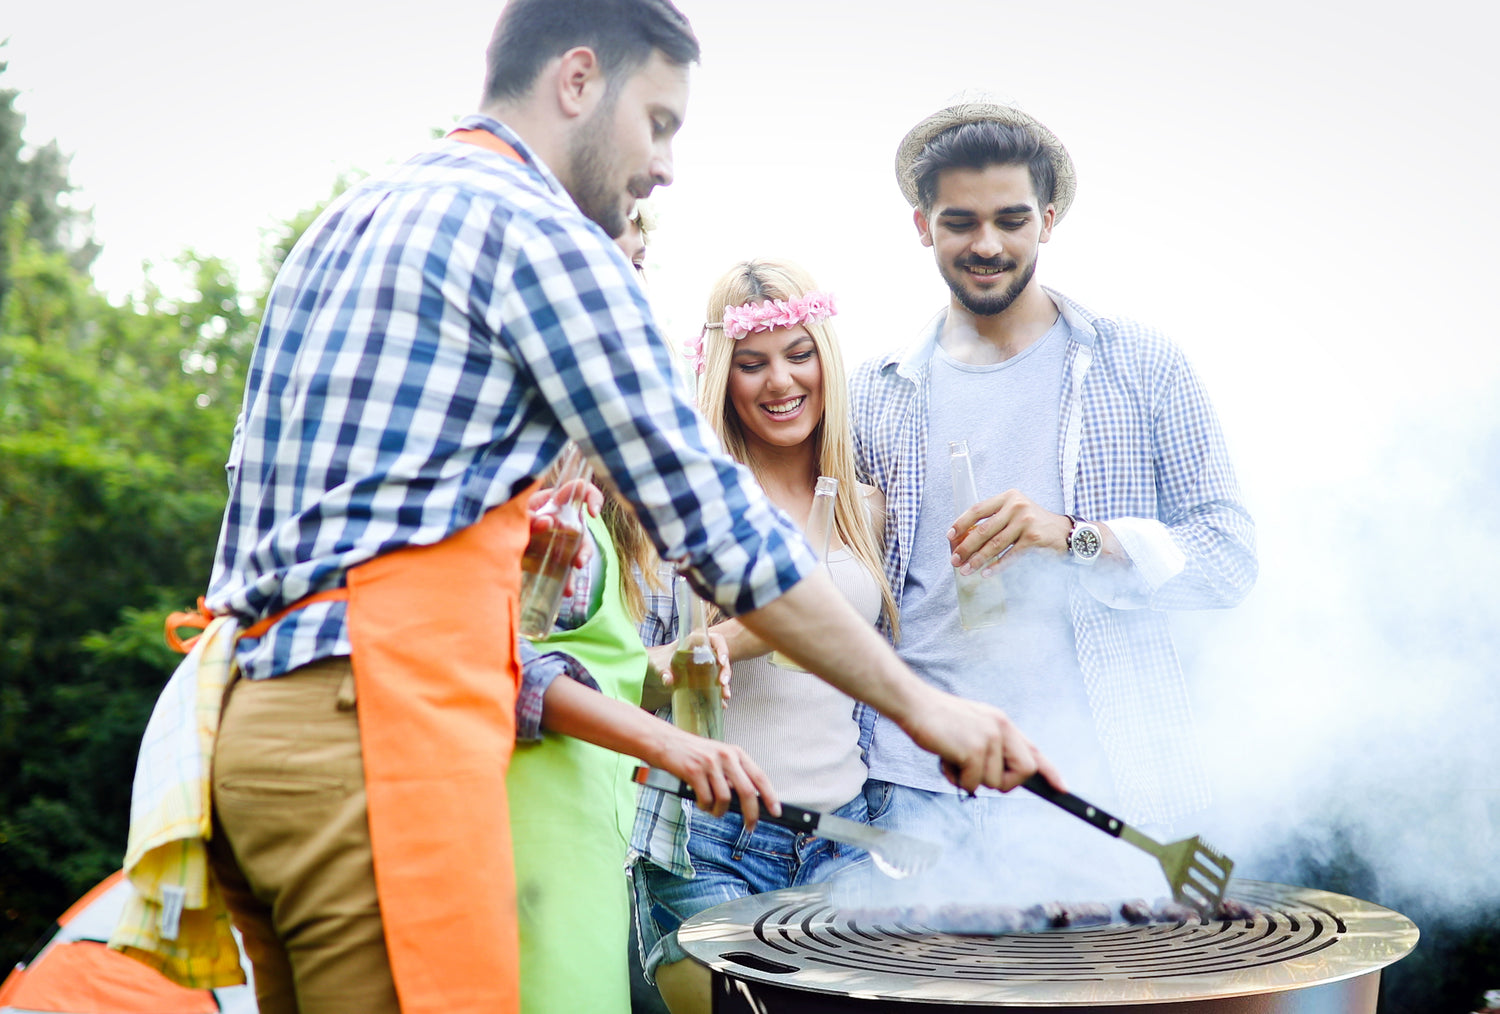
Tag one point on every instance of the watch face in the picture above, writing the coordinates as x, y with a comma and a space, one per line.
1085, 543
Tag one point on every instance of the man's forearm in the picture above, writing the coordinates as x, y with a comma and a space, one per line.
817, 628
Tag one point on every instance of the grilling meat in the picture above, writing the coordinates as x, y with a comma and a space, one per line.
1234, 910
995, 920
1167, 910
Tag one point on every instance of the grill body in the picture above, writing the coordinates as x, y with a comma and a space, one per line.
1307, 952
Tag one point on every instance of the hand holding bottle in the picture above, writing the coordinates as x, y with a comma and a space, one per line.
981, 596
556, 542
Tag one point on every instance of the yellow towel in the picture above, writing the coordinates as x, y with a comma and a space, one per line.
175, 920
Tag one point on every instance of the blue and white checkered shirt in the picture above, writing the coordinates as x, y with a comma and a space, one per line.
429, 345
1139, 449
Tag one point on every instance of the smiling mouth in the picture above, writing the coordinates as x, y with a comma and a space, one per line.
987, 270
783, 409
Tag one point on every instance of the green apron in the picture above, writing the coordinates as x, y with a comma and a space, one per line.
572, 805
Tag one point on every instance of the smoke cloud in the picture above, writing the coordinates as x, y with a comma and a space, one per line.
1350, 710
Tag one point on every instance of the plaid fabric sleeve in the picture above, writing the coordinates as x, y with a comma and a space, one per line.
576, 321
1200, 502
661, 820
659, 626
538, 670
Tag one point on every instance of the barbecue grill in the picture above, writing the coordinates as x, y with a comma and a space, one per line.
794, 951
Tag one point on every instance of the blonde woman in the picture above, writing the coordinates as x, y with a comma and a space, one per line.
772, 385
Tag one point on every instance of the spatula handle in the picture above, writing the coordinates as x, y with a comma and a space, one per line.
1082, 809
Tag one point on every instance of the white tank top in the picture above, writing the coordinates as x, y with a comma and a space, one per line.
799, 729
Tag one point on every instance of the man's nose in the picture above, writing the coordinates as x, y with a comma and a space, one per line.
661, 167
987, 242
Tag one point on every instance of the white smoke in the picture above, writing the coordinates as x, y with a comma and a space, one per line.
1350, 709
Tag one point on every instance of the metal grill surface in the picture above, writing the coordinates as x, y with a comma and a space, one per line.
796, 938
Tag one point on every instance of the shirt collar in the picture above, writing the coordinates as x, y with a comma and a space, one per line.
479, 121
912, 362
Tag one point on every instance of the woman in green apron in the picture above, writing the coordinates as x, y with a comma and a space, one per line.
573, 803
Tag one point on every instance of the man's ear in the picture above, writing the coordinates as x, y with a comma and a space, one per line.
580, 82
1049, 216
924, 230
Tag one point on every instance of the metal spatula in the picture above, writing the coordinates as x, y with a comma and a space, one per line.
1197, 872
895, 855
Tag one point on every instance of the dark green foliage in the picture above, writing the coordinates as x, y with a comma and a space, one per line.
111, 490
114, 425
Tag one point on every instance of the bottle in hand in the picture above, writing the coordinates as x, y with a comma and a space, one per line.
819, 533
981, 600
697, 694
556, 533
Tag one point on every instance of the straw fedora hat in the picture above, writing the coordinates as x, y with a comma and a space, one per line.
978, 112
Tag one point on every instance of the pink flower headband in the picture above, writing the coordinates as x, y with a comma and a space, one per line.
765, 316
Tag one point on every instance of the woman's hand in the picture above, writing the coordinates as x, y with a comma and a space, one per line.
714, 770
659, 659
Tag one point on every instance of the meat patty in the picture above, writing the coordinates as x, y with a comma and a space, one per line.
995, 920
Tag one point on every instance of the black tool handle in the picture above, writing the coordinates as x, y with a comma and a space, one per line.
793, 817
1079, 808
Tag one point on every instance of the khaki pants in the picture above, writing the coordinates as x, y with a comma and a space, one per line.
291, 845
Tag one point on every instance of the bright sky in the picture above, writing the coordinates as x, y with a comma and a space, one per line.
1302, 193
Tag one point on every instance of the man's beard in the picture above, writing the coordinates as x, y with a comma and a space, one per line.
592, 166
991, 304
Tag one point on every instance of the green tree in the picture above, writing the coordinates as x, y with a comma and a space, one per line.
114, 422
37, 180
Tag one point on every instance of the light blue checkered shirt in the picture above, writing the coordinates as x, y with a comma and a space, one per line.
430, 344
1140, 449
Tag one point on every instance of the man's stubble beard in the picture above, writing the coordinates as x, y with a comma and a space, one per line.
989, 306
592, 165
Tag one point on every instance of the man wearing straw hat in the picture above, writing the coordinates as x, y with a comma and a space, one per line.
1105, 491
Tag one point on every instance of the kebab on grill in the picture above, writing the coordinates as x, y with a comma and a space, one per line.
992, 920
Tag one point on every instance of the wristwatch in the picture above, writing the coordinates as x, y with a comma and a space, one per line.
1085, 542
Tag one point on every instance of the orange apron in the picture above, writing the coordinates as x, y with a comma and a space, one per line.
436, 672
432, 632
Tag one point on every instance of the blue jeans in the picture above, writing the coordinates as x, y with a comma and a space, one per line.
729, 864
936, 816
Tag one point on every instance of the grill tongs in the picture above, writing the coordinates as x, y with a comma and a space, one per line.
896, 855
1197, 872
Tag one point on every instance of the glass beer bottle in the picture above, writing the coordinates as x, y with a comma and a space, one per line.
697, 695
981, 600
553, 545
819, 534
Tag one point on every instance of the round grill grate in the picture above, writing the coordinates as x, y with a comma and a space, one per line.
797, 938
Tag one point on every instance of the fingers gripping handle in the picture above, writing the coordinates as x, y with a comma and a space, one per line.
1077, 807
793, 817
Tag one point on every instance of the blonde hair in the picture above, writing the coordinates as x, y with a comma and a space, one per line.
633, 550
755, 281
636, 554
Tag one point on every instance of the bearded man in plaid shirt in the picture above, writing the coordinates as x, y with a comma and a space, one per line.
1106, 495
430, 345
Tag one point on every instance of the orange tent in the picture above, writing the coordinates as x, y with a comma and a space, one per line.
75, 972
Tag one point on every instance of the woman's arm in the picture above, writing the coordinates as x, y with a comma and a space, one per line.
713, 769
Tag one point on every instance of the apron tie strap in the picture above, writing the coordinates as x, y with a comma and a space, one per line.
200, 620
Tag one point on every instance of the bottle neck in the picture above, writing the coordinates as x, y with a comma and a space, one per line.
690, 614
